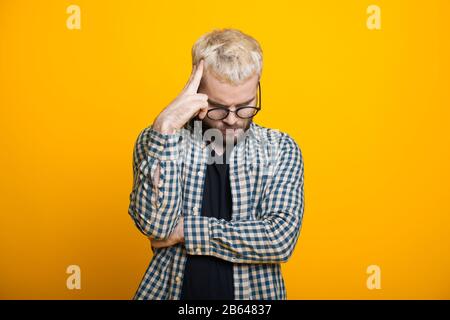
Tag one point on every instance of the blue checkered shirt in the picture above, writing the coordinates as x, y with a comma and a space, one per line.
266, 178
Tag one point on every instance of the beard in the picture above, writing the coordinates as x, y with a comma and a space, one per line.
230, 134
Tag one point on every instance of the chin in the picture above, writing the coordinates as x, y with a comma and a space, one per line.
233, 138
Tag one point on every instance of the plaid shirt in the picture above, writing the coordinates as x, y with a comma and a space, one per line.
266, 177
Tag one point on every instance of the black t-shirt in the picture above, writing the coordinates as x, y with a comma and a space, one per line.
208, 277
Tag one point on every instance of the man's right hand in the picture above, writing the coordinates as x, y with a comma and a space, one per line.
188, 104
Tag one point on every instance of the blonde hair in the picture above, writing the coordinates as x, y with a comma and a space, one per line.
229, 54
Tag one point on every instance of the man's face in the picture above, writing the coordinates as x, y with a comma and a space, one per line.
232, 97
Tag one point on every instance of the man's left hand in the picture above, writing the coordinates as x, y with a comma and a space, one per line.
175, 237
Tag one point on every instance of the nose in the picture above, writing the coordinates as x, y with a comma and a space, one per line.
231, 119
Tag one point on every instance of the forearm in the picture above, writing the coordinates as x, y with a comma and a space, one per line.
155, 203
271, 240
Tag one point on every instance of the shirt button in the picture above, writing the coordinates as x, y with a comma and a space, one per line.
199, 250
160, 184
161, 148
195, 209
200, 173
178, 279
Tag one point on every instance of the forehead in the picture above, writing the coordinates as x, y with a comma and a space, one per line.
226, 93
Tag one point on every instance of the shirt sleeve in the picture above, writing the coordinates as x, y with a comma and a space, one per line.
270, 239
155, 207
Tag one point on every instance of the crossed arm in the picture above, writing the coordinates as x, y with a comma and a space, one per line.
155, 206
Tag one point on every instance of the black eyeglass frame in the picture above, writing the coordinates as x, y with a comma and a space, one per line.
257, 108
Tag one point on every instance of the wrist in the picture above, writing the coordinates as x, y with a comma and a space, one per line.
163, 128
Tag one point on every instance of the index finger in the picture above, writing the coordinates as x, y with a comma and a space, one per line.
194, 68
194, 82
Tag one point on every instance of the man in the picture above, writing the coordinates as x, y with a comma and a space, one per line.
222, 206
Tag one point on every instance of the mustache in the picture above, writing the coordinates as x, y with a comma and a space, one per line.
232, 128
222, 126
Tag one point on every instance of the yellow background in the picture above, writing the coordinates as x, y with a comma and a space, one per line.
369, 109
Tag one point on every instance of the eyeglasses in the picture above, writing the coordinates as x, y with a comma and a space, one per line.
243, 112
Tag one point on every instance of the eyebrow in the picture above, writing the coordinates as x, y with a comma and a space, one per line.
237, 105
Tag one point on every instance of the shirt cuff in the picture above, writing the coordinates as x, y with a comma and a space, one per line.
196, 235
163, 146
